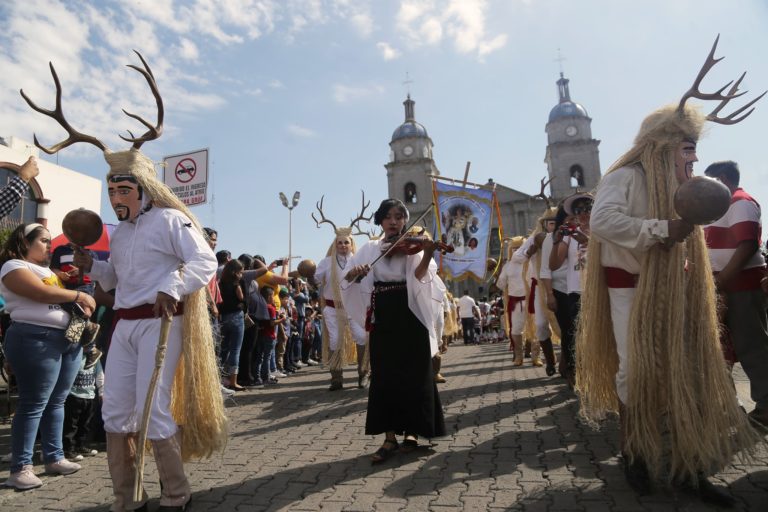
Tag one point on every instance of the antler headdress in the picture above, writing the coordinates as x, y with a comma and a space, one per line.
344, 231
674, 123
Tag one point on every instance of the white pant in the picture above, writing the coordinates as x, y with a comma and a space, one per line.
332, 325
130, 364
621, 306
439, 327
518, 319
543, 331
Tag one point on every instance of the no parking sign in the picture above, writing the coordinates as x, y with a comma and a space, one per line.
187, 175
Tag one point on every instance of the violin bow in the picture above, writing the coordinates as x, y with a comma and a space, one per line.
402, 236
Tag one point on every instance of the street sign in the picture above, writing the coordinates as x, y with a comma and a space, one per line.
187, 176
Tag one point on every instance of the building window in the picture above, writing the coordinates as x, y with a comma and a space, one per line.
577, 176
25, 212
410, 193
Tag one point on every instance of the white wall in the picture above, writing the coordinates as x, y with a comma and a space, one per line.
67, 189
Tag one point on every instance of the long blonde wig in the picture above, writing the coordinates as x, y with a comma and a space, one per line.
677, 378
196, 402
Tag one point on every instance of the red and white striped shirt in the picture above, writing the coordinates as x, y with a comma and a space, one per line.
740, 223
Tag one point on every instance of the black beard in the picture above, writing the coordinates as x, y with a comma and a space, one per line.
127, 214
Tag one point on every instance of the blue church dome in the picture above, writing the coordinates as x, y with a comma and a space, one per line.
409, 129
567, 109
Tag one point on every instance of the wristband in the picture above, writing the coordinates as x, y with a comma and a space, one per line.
77, 296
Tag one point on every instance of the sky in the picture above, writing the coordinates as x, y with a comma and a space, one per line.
303, 95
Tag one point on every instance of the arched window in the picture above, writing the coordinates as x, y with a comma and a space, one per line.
410, 193
577, 176
26, 211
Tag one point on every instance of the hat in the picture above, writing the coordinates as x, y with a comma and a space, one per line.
568, 202
516, 241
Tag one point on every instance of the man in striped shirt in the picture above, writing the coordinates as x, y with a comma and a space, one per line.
734, 252
11, 194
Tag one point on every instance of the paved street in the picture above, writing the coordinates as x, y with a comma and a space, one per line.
514, 443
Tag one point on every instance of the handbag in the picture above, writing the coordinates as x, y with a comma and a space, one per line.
75, 328
248, 321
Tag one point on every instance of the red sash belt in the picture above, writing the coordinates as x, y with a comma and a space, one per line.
532, 296
143, 312
512, 301
330, 303
747, 279
619, 278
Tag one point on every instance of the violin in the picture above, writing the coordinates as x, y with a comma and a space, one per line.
410, 245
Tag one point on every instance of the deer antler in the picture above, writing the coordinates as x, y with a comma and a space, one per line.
153, 132
319, 206
542, 194
58, 115
732, 93
356, 221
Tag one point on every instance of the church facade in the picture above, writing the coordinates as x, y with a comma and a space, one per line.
571, 158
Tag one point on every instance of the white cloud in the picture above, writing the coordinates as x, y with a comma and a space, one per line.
300, 131
188, 49
428, 22
276, 84
363, 24
387, 52
345, 93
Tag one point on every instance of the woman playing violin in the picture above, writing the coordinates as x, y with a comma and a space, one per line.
400, 290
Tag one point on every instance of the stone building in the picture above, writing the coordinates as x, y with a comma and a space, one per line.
572, 162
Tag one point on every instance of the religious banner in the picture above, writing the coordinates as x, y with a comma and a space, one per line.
187, 175
464, 217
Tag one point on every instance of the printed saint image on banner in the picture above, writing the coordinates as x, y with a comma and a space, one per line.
464, 222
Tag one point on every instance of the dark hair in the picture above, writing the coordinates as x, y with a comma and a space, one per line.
384, 208
228, 273
223, 256
560, 216
209, 232
246, 260
260, 258
264, 291
17, 245
728, 169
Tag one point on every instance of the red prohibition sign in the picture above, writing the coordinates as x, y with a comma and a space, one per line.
185, 170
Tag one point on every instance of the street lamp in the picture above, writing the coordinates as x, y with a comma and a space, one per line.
294, 203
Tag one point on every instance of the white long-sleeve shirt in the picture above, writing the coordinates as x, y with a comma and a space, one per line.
511, 276
619, 219
558, 277
160, 252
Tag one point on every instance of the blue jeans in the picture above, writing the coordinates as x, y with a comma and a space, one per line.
45, 365
267, 354
232, 329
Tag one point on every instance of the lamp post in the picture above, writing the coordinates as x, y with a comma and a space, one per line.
294, 203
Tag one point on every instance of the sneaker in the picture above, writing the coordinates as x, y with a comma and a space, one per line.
91, 358
312, 362
24, 479
278, 374
271, 382
226, 392
75, 457
299, 364
85, 451
62, 467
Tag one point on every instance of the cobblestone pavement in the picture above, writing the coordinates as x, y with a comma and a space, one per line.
514, 443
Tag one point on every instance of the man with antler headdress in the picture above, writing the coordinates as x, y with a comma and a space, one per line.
159, 266
342, 334
656, 358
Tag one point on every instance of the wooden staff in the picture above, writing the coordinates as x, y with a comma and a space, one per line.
162, 346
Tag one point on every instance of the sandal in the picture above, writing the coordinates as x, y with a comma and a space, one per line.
384, 453
409, 445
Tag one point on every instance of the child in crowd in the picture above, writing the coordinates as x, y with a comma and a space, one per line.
63, 266
267, 339
78, 410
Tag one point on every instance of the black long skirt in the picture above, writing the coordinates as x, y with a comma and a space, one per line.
403, 395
